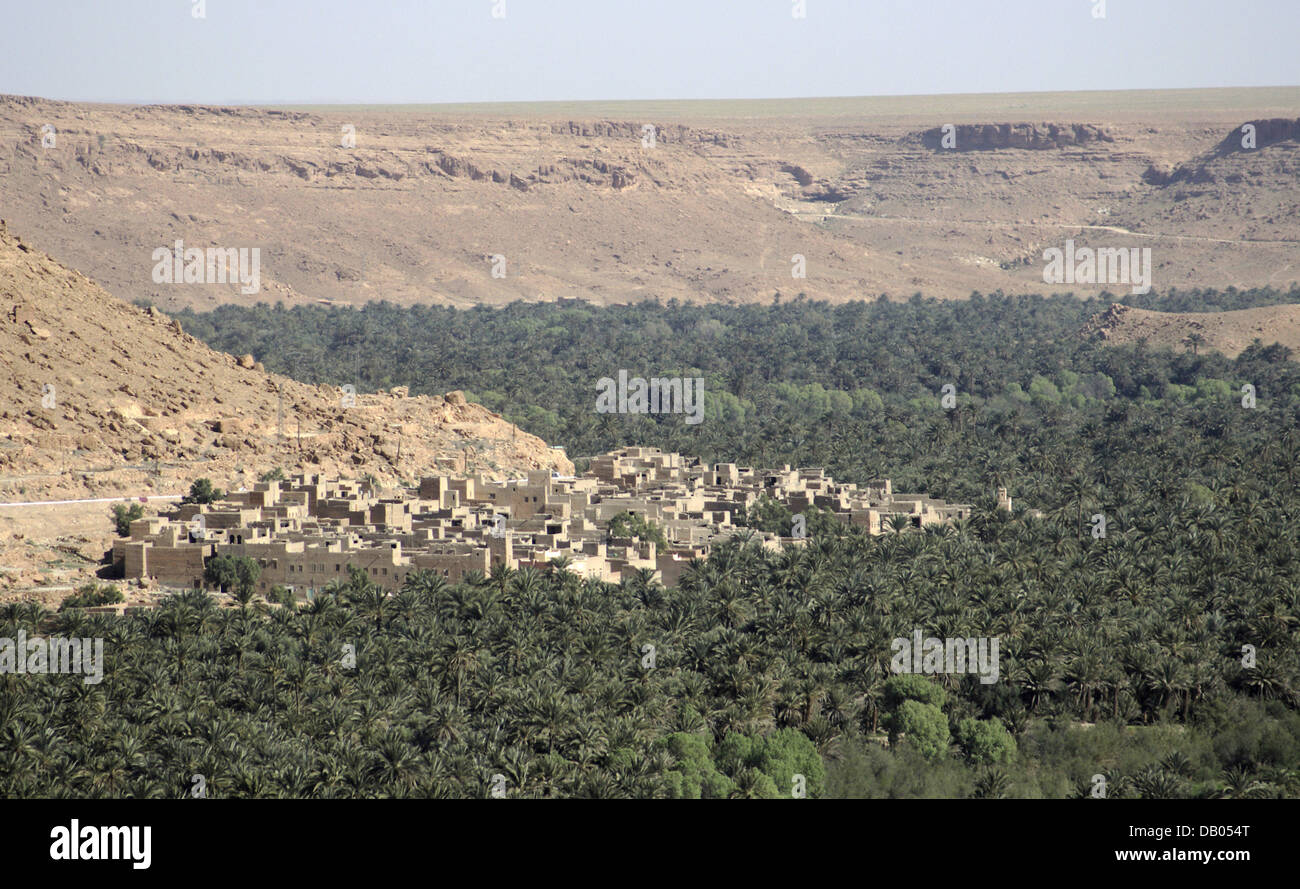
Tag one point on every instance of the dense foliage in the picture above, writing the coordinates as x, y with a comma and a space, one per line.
638, 527
855, 387
237, 574
543, 678
1158, 647
92, 595
123, 515
201, 491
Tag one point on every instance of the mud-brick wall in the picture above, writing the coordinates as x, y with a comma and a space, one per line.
180, 566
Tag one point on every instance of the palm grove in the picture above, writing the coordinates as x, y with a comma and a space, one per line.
1162, 655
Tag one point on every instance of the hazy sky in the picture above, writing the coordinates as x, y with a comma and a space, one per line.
393, 51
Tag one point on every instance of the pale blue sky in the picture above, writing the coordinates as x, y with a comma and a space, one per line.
398, 51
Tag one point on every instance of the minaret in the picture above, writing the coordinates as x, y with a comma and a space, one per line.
1004, 499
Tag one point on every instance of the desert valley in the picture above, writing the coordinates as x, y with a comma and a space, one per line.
558, 448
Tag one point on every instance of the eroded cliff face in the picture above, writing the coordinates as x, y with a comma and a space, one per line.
1239, 155
466, 209
1024, 136
1266, 132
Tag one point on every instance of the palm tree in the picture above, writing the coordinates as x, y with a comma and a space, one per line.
458, 658
993, 783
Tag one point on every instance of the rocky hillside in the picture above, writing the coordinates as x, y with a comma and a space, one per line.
104, 398
1226, 332
416, 210
458, 208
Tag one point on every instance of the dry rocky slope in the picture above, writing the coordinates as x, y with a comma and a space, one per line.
100, 391
104, 400
1226, 332
864, 190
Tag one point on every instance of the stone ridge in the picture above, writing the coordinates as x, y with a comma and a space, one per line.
1029, 136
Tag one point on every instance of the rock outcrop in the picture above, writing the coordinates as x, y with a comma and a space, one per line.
1027, 136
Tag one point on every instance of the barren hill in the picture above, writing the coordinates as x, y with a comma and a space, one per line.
1226, 332
102, 393
697, 201
106, 400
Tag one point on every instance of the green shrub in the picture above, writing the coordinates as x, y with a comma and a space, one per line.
911, 687
92, 595
923, 726
985, 741
123, 515
638, 527
201, 491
